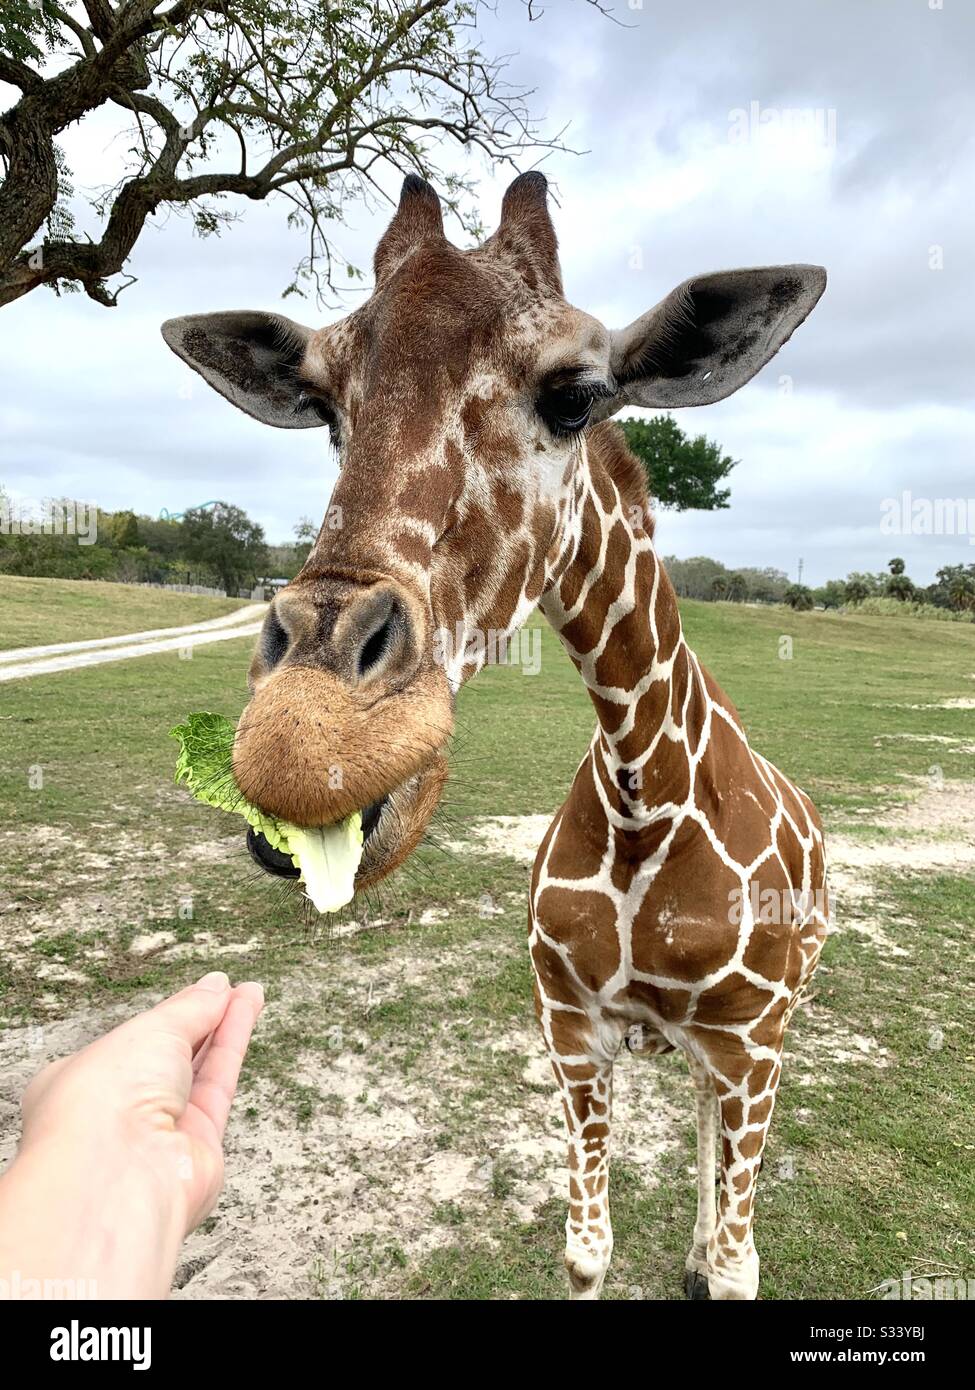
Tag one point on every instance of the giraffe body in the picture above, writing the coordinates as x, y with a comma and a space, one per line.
678, 899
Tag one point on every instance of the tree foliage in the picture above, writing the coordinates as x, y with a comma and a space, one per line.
224, 538
703, 578
860, 585
310, 102
125, 530
682, 472
216, 546
955, 586
832, 594
799, 597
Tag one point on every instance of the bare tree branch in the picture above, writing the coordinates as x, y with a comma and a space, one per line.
315, 97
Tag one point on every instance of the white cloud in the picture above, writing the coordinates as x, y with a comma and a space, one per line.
92, 403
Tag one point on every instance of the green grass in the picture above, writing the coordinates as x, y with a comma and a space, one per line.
822, 715
103, 851
39, 611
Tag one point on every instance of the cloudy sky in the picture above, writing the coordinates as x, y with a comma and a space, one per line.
695, 160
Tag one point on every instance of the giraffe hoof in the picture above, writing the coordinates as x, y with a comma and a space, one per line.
696, 1285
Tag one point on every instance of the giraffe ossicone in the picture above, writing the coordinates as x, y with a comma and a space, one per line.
480, 478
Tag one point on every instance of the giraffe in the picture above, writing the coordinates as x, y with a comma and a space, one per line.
678, 899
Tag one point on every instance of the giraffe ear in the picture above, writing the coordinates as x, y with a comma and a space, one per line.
251, 358
711, 335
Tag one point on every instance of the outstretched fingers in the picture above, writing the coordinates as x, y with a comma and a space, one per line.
217, 1066
191, 1015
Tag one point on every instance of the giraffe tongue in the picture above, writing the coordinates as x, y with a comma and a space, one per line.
328, 857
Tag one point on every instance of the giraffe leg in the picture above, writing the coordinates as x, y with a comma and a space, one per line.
696, 1264
582, 1050
745, 1115
587, 1101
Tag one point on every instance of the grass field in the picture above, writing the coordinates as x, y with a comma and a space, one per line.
36, 611
397, 1132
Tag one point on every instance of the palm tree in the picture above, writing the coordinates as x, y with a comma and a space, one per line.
961, 591
800, 598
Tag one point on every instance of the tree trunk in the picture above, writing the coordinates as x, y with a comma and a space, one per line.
30, 189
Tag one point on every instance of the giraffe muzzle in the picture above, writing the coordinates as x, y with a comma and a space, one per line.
349, 713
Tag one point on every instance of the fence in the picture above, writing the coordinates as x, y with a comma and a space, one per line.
187, 589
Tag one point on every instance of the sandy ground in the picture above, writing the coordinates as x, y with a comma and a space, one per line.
934, 830
369, 1168
19, 663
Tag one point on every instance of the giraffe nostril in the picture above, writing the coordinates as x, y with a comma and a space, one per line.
380, 643
274, 642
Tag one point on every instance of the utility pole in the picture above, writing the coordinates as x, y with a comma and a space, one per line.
801, 562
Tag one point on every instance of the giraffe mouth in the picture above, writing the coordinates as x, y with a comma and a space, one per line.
384, 759
272, 861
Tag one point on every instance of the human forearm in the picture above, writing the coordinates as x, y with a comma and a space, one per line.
87, 1225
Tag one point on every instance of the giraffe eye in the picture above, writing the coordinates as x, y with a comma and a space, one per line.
313, 404
566, 408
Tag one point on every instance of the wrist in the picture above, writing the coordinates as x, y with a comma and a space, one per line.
108, 1223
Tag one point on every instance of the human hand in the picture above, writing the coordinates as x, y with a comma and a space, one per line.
122, 1148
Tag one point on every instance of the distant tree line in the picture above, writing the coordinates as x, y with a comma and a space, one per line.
953, 590
217, 546
951, 595
707, 579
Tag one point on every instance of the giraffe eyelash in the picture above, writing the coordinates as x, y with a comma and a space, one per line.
566, 406
310, 400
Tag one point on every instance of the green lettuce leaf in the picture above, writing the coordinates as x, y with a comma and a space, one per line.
328, 856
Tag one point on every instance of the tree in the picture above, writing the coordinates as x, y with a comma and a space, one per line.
124, 530
860, 586
766, 585
306, 533
954, 587
897, 585
707, 579
305, 101
225, 538
800, 598
681, 472
694, 578
961, 589
832, 594
737, 588
900, 587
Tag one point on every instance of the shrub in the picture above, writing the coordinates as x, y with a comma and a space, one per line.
897, 608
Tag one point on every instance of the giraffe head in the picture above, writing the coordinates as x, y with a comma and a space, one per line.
458, 398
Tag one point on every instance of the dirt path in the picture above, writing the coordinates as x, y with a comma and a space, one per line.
18, 664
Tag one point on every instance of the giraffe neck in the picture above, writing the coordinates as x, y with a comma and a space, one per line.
614, 608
